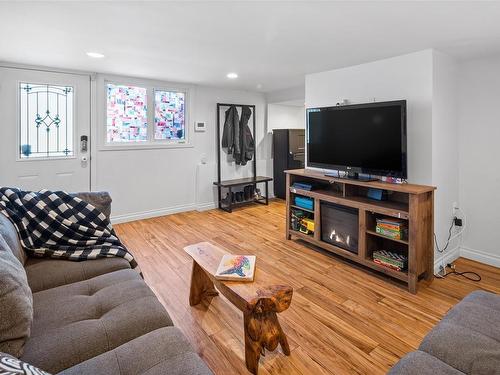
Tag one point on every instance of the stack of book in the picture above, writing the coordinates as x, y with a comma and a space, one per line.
392, 228
391, 260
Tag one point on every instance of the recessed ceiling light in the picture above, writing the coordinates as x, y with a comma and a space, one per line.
232, 75
95, 55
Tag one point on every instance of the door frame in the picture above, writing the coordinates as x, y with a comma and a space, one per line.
92, 115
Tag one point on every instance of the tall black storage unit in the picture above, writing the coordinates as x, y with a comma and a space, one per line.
289, 153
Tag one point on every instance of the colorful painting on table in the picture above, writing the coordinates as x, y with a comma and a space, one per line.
236, 267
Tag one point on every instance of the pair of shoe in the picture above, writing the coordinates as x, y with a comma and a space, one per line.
249, 192
234, 197
257, 195
228, 199
239, 196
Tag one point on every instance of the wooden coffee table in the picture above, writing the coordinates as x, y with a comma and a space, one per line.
259, 301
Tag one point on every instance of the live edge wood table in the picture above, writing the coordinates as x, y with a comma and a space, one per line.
259, 301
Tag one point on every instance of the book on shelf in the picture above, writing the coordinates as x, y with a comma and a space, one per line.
392, 228
395, 223
396, 235
236, 268
390, 259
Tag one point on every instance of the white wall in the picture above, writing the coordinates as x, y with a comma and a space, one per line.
151, 182
292, 94
426, 79
404, 77
445, 168
280, 116
479, 136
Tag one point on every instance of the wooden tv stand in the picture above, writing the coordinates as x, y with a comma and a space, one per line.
413, 203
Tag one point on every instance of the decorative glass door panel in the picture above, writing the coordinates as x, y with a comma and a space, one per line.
46, 121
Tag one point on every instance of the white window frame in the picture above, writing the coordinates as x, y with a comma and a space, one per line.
150, 143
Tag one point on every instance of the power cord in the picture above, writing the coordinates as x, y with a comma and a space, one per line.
469, 275
452, 236
448, 240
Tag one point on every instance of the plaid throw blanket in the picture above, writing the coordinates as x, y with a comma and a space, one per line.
57, 225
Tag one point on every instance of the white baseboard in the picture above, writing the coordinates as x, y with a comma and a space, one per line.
480, 256
206, 206
465, 252
117, 219
152, 213
447, 257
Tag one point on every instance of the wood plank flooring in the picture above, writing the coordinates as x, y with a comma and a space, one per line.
343, 319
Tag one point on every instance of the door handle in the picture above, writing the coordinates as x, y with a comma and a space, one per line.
84, 143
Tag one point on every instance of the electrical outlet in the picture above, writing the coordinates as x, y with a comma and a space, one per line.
442, 269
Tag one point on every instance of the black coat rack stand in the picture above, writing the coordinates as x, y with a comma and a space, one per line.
229, 185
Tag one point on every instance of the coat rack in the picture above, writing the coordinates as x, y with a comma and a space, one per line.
230, 185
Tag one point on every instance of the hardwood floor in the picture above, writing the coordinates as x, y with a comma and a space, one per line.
335, 324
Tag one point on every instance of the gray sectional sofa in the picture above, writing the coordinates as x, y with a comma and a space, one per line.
90, 317
466, 341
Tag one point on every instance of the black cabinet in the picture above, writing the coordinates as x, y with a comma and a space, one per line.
289, 153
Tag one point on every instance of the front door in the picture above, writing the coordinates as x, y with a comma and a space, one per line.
45, 130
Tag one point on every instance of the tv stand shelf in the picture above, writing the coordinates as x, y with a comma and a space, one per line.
413, 204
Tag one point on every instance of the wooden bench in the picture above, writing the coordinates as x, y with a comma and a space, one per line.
259, 301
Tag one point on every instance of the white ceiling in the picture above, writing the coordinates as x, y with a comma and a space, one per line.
270, 44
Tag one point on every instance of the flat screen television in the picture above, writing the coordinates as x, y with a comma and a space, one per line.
368, 139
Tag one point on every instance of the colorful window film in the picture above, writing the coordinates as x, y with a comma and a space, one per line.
170, 115
127, 109
46, 121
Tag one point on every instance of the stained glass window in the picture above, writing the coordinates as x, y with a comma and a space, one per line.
169, 115
46, 120
126, 114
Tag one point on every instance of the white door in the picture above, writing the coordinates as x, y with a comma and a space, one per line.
44, 117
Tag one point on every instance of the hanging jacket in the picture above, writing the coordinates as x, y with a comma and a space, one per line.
230, 134
246, 141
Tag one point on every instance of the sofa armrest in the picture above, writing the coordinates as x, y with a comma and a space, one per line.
99, 199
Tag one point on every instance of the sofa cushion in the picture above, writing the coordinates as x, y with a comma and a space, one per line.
16, 303
479, 313
78, 321
45, 273
9, 232
468, 337
464, 349
99, 199
10, 365
163, 351
417, 363
481, 297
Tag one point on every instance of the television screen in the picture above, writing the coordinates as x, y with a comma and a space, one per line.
365, 138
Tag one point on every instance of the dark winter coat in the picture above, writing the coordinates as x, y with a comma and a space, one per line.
231, 131
236, 136
247, 143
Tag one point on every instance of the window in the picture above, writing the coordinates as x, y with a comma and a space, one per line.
169, 115
46, 121
126, 114
145, 115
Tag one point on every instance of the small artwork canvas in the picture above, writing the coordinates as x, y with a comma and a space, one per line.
236, 267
